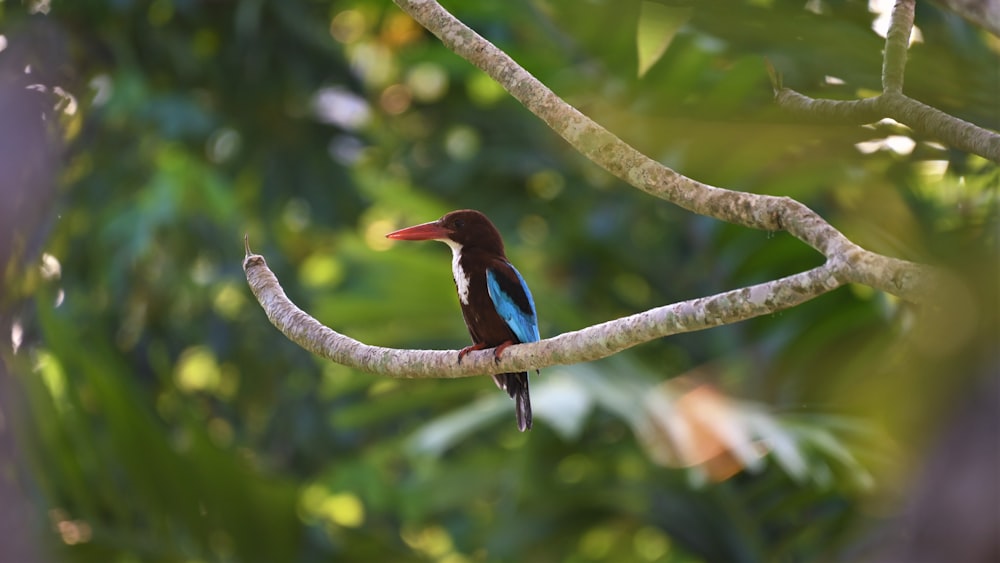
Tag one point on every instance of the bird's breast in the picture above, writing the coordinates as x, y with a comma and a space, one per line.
459, 273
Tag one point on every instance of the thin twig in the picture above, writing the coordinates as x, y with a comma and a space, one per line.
897, 41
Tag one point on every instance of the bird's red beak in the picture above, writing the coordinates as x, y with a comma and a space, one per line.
426, 231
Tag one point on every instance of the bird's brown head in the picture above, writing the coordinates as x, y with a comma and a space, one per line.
466, 227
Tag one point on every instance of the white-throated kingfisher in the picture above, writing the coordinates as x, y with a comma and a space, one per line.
496, 303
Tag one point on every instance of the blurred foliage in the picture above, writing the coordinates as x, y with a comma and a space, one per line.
162, 418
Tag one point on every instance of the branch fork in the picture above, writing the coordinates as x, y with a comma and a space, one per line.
846, 262
892, 103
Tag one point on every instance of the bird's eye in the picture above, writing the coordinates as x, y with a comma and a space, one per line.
459, 223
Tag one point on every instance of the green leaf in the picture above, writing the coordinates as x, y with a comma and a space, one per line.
657, 26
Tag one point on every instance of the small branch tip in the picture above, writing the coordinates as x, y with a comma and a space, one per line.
774, 75
249, 258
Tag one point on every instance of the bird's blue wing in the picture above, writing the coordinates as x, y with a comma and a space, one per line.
512, 300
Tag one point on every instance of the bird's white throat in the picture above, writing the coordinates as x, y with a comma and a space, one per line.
461, 278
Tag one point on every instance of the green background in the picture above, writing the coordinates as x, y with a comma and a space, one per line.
151, 413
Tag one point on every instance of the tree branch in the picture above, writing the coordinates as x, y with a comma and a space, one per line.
602, 147
897, 41
591, 343
892, 102
846, 262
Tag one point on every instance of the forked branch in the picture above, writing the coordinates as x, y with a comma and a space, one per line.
770, 213
846, 261
892, 102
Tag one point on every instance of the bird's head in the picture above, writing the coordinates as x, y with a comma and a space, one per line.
463, 229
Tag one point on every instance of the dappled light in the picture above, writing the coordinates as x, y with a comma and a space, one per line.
72, 532
340, 107
428, 82
336, 509
151, 411
349, 26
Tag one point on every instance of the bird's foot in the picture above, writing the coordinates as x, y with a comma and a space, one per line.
467, 349
499, 350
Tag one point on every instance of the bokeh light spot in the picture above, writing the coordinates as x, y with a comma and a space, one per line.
348, 26
297, 215
898, 144
932, 170
343, 509
427, 81
346, 149
39, 6
546, 184
341, 107
461, 142
650, 543
203, 271
206, 43
374, 63
883, 11
51, 269
597, 543
53, 376
533, 230
395, 99
374, 234
432, 540
229, 300
382, 386
198, 370
223, 145
483, 90
72, 532
103, 86
321, 270
399, 29
16, 337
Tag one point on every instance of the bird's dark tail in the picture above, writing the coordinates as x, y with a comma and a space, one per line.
516, 385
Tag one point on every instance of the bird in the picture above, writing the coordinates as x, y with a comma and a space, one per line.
496, 303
